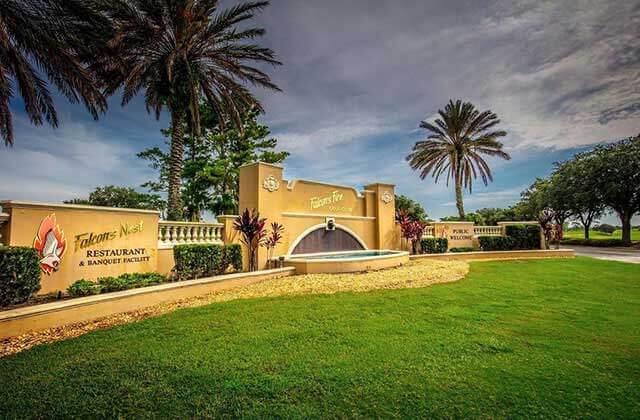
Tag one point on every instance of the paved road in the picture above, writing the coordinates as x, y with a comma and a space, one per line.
630, 255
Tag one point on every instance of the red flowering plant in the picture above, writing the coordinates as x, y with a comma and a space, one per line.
412, 230
252, 228
273, 238
551, 224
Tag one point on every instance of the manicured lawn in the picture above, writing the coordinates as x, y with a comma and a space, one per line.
543, 338
594, 234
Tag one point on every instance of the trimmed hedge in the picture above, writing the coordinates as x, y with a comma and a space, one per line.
524, 236
83, 288
19, 274
204, 260
434, 245
495, 243
233, 256
462, 249
605, 243
114, 284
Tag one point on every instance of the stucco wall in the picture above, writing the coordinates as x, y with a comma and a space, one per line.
300, 205
99, 241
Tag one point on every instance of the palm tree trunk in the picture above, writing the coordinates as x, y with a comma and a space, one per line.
459, 203
174, 211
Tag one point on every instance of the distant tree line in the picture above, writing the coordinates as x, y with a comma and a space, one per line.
602, 180
121, 197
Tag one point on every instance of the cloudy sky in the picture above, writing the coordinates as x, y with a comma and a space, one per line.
359, 76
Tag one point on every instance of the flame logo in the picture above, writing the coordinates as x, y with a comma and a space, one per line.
50, 244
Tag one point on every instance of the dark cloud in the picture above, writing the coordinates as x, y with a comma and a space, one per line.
359, 75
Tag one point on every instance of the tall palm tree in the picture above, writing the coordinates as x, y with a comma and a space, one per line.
182, 52
455, 144
38, 41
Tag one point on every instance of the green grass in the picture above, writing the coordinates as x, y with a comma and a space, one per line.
540, 338
594, 234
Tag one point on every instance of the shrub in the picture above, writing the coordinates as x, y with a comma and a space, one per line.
462, 249
434, 245
83, 288
233, 256
114, 284
495, 243
19, 274
203, 260
524, 236
594, 242
193, 261
111, 284
605, 228
143, 279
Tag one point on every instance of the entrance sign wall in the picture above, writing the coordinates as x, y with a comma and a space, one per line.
299, 205
75, 242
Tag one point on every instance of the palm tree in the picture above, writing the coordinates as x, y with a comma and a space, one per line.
37, 41
182, 53
455, 144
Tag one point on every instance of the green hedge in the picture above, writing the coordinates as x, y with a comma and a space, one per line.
194, 261
114, 284
495, 243
83, 288
233, 256
524, 236
19, 274
434, 245
594, 242
462, 249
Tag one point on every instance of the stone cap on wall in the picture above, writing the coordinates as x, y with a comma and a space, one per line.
526, 222
13, 203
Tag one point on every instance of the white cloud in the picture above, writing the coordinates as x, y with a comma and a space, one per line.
49, 164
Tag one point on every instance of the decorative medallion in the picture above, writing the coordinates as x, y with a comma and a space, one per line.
270, 183
50, 244
386, 197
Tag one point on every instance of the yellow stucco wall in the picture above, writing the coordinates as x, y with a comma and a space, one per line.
300, 205
458, 234
93, 236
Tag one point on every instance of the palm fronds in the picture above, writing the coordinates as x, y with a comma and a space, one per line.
455, 145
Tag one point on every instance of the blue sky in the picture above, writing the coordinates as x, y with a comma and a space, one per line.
359, 76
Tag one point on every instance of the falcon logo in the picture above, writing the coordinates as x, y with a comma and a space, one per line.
50, 244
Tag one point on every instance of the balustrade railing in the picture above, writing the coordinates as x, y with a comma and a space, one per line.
487, 230
178, 233
428, 231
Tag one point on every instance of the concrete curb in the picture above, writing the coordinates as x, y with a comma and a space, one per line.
49, 315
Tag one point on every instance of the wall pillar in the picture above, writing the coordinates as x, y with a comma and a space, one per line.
261, 188
384, 205
229, 234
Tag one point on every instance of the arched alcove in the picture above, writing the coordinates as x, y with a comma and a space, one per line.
323, 240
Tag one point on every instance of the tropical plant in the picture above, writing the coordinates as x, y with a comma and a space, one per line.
454, 147
180, 53
38, 38
412, 230
252, 228
273, 239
